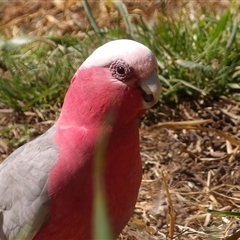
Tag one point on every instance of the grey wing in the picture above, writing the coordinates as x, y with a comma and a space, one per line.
23, 187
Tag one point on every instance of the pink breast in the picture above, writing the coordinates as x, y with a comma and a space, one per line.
71, 187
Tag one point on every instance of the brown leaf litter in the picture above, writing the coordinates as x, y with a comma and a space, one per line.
201, 170
41, 17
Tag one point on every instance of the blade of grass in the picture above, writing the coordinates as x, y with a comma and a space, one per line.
121, 7
189, 85
90, 17
102, 228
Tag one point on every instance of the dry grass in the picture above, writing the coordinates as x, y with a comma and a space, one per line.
62, 17
202, 173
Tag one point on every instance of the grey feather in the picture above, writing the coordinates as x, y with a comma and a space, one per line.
23, 187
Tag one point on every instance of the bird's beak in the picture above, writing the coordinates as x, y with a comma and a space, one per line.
150, 88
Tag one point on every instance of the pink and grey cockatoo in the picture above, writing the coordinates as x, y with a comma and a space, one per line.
46, 186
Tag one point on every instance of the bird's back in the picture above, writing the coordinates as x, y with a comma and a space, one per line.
23, 187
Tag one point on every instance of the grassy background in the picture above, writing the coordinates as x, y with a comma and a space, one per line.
198, 54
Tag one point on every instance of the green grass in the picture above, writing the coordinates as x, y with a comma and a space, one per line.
196, 57
36, 73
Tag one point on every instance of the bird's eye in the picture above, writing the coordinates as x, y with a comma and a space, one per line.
121, 70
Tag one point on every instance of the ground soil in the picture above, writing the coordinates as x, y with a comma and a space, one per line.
186, 171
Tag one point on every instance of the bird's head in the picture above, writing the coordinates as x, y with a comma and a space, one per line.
120, 74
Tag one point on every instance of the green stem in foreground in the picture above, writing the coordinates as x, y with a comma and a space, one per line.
102, 228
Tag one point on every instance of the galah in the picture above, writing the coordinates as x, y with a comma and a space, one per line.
46, 185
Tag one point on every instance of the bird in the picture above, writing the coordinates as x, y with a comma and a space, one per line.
47, 185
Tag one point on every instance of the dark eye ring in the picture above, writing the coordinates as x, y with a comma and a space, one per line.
121, 70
